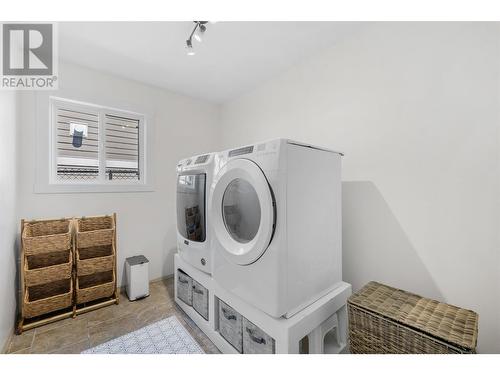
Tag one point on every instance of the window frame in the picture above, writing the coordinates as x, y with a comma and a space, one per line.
101, 184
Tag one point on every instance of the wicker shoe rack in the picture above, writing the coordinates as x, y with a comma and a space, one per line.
68, 267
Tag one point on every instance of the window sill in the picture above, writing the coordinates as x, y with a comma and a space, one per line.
91, 188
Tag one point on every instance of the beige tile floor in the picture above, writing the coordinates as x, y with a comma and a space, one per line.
93, 328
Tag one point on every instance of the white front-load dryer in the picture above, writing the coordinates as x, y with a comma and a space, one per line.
194, 178
275, 209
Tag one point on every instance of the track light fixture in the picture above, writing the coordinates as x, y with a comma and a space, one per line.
197, 33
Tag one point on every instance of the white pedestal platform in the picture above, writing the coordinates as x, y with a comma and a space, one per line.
324, 321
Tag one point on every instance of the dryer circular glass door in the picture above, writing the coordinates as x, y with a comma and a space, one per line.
243, 211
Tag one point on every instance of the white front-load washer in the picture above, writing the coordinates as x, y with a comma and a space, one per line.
275, 209
194, 177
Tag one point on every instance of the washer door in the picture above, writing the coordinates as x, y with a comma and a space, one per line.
243, 211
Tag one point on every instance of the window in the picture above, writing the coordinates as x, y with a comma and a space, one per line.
95, 145
122, 147
77, 156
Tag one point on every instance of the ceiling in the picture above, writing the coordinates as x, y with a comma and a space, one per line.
233, 58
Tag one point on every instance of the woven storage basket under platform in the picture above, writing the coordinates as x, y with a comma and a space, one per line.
46, 236
94, 231
388, 320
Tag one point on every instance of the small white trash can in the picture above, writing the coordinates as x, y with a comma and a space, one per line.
137, 274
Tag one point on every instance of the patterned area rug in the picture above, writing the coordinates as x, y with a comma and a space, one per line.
167, 336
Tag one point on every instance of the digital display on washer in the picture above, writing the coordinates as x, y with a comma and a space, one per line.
241, 151
201, 159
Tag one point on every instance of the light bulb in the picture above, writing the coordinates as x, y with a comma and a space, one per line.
200, 32
189, 47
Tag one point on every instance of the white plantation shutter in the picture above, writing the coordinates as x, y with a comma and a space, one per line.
122, 148
77, 163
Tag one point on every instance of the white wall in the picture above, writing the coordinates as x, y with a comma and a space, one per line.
8, 222
146, 221
415, 108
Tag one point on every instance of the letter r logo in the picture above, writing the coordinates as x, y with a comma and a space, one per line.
27, 49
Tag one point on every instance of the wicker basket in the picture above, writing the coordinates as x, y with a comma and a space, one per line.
48, 267
387, 320
94, 231
95, 260
95, 286
46, 298
46, 236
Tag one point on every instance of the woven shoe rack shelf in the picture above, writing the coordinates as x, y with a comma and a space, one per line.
68, 267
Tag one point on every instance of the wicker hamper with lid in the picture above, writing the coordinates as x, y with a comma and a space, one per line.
388, 320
